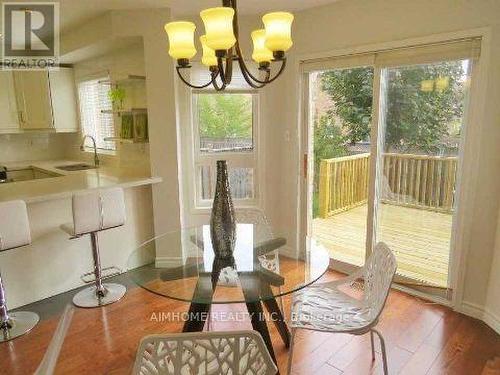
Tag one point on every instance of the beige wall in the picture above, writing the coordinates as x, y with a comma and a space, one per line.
105, 31
161, 113
354, 23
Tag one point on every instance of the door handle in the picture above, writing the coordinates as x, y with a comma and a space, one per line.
305, 161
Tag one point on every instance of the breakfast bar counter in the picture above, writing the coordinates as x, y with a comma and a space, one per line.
62, 183
53, 263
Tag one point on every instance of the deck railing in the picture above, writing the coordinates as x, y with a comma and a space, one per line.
343, 183
420, 181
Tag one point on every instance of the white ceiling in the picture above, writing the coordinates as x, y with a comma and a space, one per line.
76, 12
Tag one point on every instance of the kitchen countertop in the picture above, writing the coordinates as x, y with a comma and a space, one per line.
70, 182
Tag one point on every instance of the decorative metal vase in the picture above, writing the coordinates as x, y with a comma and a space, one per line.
222, 221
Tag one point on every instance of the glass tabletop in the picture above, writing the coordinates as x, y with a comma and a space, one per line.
182, 265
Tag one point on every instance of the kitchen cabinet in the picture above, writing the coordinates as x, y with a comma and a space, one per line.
33, 100
9, 122
64, 102
44, 101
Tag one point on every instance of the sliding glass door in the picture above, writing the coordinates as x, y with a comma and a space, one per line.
385, 133
341, 113
422, 117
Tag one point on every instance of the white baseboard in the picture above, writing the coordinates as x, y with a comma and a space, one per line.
422, 295
473, 310
165, 262
492, 320
288, 251
477, 311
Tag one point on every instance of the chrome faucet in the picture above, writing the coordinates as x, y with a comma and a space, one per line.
82, 148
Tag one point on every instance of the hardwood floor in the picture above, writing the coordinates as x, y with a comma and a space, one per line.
419, 238
421, 338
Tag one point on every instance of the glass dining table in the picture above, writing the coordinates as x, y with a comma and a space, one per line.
182, 265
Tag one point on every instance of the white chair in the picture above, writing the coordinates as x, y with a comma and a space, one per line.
197, 353
14, 233
93, 212
325, 307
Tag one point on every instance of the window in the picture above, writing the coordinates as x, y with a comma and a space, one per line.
224, 128
225, 122
96, 112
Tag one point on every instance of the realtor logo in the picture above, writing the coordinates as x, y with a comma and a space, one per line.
30, 36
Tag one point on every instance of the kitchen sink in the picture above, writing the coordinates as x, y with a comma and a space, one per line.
25, 174
75, 167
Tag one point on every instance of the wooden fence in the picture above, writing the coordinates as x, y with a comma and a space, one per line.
211, 144
240, 179
420, 181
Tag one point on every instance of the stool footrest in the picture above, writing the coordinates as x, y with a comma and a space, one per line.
107, 272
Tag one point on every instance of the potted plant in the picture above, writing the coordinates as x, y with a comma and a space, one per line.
117, 96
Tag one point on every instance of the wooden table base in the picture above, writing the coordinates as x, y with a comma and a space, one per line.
253, 292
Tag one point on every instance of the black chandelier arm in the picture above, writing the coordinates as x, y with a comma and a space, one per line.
249, 80
220, 67
213, 76
226, 72
244, 68
229, 66
282, 68
217, 87
239, 55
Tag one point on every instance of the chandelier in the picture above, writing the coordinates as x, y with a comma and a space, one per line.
221, 47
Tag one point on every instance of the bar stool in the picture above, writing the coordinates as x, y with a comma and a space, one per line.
92, 213
14, 233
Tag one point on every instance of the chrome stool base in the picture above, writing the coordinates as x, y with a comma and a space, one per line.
88, 297
20, 323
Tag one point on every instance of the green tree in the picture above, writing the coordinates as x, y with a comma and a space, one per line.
328, 144
351, 91
225, 115
328, 141
416, 119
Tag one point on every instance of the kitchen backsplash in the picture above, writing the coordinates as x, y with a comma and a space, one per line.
36, 146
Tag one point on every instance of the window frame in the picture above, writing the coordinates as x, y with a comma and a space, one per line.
235, 159
100, 77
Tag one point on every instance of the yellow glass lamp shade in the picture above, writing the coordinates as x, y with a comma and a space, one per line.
260, 54
442, 83
427, 85
181, 39
219, 28
208, 58
278, 31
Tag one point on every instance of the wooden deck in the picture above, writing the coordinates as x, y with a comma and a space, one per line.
419, 238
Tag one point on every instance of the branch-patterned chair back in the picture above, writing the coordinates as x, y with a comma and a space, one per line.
204, 353
379, 271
